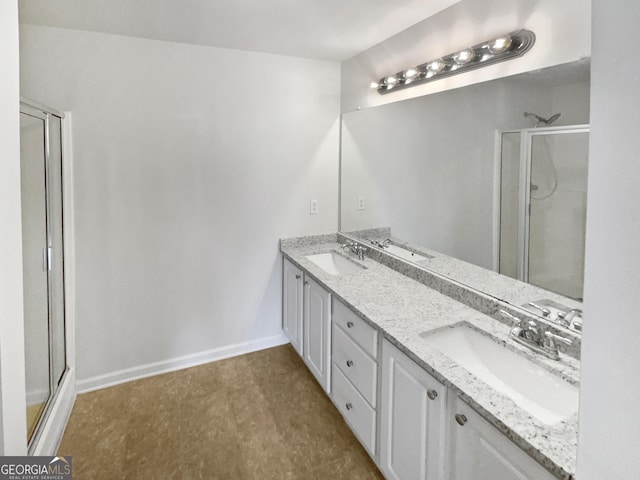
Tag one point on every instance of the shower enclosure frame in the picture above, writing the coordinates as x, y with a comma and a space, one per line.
524, 194
51, 426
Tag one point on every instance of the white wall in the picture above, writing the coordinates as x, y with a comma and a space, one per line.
12, 387
189, 162
562, 30
609, 432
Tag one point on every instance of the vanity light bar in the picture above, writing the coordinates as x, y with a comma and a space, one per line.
506, 47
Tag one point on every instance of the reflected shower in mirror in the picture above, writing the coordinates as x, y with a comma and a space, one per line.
482, 179
543, 206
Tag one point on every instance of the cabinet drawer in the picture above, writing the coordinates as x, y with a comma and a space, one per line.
355, 409
355, 364
361, 332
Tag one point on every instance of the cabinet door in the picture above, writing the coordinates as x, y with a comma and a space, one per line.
412, 419
479, 451
316, 331
292, 304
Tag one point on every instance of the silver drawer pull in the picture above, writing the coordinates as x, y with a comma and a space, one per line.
461, 419
349, 406
432, 394
349, 363
305, 282
349, 324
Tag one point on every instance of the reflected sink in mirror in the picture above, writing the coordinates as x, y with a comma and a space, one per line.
334, 264
542, 394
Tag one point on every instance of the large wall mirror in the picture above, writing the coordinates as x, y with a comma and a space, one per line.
485, 184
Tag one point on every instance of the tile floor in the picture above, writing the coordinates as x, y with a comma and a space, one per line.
257, 416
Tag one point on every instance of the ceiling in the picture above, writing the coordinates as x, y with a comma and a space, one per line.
334, 30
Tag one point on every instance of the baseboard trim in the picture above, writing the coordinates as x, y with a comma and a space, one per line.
178, 363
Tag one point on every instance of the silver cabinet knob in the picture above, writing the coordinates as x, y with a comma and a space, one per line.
461, 419
305, 282
349, 406
432, 394
349, 324
349, 363
297, 277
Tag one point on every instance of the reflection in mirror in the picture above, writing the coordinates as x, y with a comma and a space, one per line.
543, 207
445, 173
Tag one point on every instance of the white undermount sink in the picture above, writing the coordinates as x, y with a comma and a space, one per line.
542, 394
334, 264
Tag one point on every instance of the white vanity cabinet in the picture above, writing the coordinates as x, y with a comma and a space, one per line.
479, 451
316, 332
355, 373
413, 426
292, 304
412, 419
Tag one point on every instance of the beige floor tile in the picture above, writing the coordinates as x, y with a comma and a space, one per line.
351, 467
96, 445
275, 361
257, 416
108, 403
157, 392
210, 445
209, 379
152, 443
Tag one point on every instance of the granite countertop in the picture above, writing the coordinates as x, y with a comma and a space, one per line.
410, 309
513, 291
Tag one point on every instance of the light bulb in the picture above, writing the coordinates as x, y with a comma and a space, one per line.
464, 56
374, 85
500, 44
435, 66
411, 74
391, 81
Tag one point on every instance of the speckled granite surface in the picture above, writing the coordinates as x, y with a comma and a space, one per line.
462, 281
410, 309
500, 286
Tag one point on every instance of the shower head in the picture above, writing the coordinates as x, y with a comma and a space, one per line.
543, 121
553, 118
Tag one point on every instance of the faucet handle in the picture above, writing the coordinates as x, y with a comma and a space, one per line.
557, 338
517, 321
545, 311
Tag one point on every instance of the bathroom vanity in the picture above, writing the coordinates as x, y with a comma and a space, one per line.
399, 360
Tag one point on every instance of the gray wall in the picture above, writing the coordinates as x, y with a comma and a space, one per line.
610, 381
190, 163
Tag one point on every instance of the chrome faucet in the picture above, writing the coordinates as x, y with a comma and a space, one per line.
572, 318
355, 248
528, 333
384, 244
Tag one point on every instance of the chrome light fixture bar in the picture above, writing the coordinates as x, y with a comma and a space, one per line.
506, 47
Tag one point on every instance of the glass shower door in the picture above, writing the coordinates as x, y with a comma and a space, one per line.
56, 244
34, 264
43, 261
